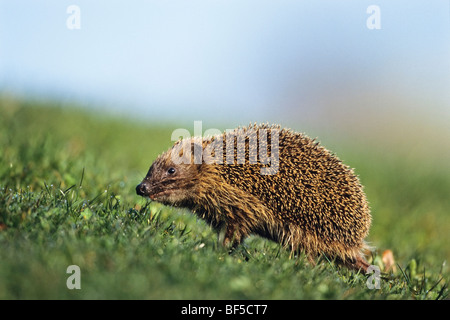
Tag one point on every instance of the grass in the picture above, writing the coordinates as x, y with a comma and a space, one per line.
67, 179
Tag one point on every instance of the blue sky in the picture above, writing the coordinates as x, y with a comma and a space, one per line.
230, 60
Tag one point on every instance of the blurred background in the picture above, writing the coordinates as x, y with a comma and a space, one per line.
309, 65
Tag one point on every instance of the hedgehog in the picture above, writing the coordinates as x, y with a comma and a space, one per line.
268, 181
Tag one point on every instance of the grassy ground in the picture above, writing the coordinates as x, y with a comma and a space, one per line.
67, 180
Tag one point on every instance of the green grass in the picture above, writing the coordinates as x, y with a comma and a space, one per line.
67, 179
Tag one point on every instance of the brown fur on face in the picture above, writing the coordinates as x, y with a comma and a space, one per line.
314, 203
169, 182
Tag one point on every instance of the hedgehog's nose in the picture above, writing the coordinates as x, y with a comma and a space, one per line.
142, 189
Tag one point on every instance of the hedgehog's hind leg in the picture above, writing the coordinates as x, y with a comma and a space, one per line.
357, 264
361, 264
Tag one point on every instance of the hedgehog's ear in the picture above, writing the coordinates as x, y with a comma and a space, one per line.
180, 153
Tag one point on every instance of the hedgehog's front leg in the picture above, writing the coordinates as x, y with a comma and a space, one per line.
236, 227
233, 237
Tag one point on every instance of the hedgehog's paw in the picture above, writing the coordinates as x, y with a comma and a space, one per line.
357, 264
233, 237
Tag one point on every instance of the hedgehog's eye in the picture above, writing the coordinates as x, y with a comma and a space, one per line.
171, 170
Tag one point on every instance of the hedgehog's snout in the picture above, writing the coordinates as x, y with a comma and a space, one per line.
142, 189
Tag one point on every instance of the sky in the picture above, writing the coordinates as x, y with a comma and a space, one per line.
229, 60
